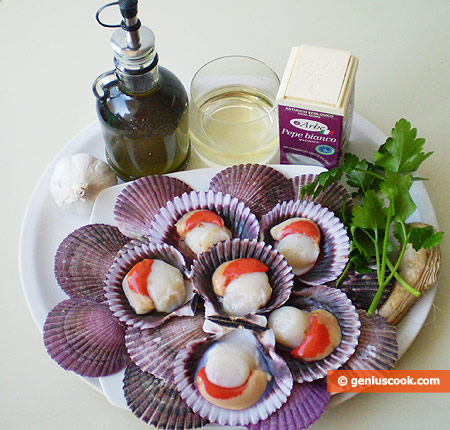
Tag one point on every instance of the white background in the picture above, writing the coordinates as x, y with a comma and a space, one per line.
50, 53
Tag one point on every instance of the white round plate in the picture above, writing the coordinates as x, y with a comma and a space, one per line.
45, 226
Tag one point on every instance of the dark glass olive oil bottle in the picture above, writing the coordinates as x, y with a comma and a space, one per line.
142, 107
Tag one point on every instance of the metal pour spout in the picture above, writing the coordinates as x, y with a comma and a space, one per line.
130, 23
133, 44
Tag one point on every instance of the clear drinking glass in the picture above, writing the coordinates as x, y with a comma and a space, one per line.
232, 113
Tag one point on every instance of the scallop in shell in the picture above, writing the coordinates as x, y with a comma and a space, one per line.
157, 402
238, 218
279, 273
83, 259
194, 357
332, 197
377, 347
259, 187
154, 350
142, 199
334, 242
83, 336
127, 258
338, 304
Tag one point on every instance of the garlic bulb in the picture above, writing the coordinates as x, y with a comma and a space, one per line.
77, 180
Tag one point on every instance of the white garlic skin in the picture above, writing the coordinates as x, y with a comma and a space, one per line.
77, 180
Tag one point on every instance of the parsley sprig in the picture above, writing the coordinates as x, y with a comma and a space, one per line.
381, 191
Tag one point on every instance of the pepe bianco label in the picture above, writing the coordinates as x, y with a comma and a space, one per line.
309, 136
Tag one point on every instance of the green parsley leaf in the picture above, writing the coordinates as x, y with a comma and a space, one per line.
402, 152
322, 182
396, 189
363, 243
325, 179
360, 262
360, 176
424, 237
372, 214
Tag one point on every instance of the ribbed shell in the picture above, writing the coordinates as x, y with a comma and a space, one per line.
304, 406
236, 216
334, 243
336, 302
280, 273
187, 364
259, 187
154, 350
332, 198
127, 258
83, 336
361, 288
377, 347
142, 199
157, 403
83, 259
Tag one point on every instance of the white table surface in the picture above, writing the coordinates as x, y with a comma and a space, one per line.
51, 51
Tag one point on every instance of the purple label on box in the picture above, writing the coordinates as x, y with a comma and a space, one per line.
309, 137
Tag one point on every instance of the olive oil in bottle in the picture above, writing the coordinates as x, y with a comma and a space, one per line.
142, 107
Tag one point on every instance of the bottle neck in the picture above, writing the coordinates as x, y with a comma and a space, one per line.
137, 81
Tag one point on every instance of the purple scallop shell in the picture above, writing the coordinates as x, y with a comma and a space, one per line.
157, 402
83, 336
154, 350
377, 348
142, 199
83, 259
236, 216
332, 198
280, 273
188, 362
361, 288
304, 406
127, 258
334, 243
259, 187
336, 302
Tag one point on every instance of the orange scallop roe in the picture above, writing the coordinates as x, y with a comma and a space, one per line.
202, 216
242, 266
137, 277
216, 391
316, 341
306, 227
